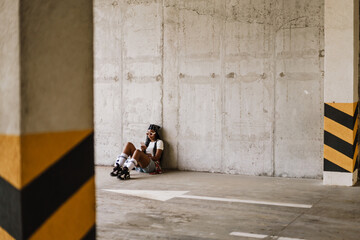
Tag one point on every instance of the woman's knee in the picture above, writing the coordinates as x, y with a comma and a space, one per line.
129, 144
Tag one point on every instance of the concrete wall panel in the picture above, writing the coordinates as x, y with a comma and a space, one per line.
248, 88
128, 73
298, 129
108, 127
142, 69
199, 133
171, 83
107, 78
298, 91
199, 88
238, 83
142, 25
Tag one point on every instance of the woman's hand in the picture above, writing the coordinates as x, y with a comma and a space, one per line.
143, 147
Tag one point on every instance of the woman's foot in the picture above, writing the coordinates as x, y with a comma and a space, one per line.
124, 174
116, 171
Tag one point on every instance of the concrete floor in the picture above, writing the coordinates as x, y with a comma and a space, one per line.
233, 212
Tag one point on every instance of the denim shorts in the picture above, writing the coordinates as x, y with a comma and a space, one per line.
150, 168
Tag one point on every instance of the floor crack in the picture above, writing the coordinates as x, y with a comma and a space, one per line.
297, 217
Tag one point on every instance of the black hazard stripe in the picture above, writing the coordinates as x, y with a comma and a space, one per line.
91, 234
10, 210
341, 117
339, 144
332, 167
44, 195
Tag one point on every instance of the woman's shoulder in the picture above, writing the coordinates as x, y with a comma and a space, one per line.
160, 144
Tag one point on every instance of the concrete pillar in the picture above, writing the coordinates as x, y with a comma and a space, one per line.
47, 188
341, 92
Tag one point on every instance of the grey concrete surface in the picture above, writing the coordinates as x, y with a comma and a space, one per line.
240, 80
9, 68
335, 212
56, 66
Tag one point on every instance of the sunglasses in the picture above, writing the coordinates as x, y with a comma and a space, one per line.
150, 133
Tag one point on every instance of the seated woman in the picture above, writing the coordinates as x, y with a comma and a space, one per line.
146, 160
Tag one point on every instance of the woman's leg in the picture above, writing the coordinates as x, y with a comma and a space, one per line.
138, 157
128, 150
142, 158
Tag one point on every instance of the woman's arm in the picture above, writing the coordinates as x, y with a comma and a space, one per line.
157, 155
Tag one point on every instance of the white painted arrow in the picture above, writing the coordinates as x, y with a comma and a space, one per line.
167, 195
156, 195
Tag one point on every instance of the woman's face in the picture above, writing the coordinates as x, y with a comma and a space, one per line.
151, 134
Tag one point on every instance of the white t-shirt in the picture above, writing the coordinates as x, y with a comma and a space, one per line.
159, 145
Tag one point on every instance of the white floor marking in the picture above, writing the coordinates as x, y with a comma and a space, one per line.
247, 201
167, 195
252, 235
286, 238
156, 195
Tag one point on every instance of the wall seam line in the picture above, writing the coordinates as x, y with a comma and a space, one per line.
122, 82
222, 83
162, 62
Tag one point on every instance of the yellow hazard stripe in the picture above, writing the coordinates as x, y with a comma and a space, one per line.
339, 130
23, 158
355, 157
4, 235
73, 219
355, 128
40, 151
338, 158
10, 159
348, 108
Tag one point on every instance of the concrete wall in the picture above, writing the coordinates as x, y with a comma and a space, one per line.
237, 85
9, 68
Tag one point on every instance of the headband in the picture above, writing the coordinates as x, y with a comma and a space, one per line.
154, 127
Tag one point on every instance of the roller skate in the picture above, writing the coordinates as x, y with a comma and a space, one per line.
116, 171
124, 174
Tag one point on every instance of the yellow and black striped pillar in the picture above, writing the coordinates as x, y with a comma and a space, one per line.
341, 137
341, 92
47, 187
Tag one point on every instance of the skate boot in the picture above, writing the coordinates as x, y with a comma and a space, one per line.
124, 174
116, 171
